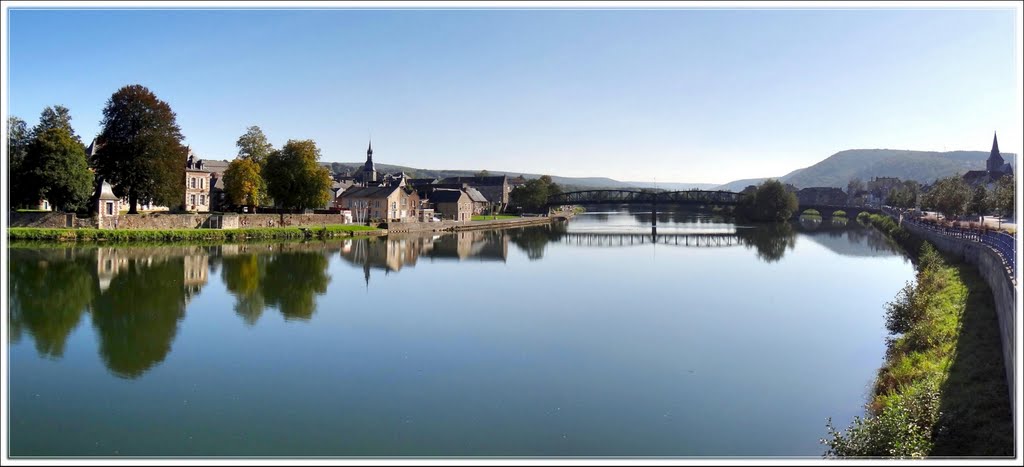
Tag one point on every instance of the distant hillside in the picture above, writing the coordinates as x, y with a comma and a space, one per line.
568, 183
922, 166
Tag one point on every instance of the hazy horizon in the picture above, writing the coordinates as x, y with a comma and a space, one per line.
667, 95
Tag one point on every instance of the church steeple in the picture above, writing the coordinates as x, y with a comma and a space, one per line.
369, 171
995, 160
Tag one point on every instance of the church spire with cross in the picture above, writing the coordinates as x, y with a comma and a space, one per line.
369, 171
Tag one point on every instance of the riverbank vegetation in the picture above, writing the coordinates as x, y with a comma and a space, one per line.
942, 389
175, 235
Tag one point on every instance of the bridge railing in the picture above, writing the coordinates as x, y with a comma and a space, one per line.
1003, 243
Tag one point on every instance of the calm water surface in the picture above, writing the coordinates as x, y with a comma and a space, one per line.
579, 339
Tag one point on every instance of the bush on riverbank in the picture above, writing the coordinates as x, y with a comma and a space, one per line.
942, 390
71, 235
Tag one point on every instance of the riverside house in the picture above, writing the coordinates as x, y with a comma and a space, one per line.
390, 203
452, 204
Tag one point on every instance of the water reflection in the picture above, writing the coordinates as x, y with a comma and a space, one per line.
50, 290
137, 296
136, 316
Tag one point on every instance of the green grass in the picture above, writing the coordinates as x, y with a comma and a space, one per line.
811, 213
33, 210
63, 235
942, 389
839, 213
498, 217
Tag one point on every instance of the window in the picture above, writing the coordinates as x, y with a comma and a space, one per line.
110, 208
394, 205
202, 183
193, 179
193, 200
202, 199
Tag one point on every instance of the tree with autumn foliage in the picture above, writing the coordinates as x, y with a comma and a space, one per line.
244, 183
140, 151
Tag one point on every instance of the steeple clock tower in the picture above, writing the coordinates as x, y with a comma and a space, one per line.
369, 172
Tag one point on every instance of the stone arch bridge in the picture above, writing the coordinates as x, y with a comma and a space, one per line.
684, 198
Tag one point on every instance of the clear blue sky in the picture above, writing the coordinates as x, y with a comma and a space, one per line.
678, 95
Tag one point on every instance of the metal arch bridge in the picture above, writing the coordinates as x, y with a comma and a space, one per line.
692, 197
699, 240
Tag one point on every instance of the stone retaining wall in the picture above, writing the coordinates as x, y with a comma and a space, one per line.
45, 220
1004, 290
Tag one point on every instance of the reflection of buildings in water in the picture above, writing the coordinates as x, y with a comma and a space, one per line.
197, 268
108, 264
395, 252
112, 261
485, 245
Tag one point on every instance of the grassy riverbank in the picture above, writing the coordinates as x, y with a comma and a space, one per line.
72, 235
942, 389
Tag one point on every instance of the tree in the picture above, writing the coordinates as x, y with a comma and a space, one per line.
253, 145
483, 173
295, 179
244, 184
18, 139
980, 202
950, 196
770, 202
56, 169
57, 116
140, 151
533, 195
1003, 199
903, 195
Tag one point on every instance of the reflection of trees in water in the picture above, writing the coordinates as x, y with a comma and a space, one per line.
242, 275
48, 297
677, 214
533, 240
855, 233
770, 240
137, 317
294, 279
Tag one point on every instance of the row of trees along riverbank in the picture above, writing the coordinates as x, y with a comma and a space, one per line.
140, 152
942, 389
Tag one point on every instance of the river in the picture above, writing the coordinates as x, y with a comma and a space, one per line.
585, 338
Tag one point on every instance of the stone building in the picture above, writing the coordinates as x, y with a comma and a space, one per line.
452, 204
496, 189
390, 203
197, 185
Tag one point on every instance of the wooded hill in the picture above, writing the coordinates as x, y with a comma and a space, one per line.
923, 166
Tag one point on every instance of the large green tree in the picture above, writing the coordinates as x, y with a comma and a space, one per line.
140, 151
533, 195
244, 183
295, 179
253, 145
18, 139
57, 116
771, 201
950, 196
56, 168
